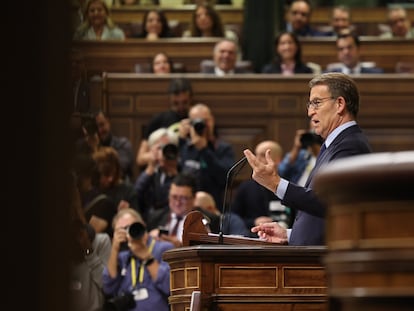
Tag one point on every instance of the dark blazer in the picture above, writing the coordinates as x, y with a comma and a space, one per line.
275, 68
309, 225
236, 70
363, 70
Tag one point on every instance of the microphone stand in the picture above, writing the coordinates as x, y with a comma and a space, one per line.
229, 174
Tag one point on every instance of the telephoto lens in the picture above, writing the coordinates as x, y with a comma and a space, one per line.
136, 230
120, 303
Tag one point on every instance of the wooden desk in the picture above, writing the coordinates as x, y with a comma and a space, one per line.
237, 277
385, 52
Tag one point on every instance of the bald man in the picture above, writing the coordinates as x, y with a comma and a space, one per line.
254, 203
232, 223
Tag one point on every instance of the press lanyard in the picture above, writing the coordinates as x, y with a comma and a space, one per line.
141, 268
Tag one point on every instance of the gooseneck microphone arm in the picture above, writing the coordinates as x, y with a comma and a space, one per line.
229, 178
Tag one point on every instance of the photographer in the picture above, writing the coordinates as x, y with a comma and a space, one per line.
136, 277
298, 163
202, 153
153, 184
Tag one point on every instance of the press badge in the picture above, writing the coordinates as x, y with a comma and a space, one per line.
140, 294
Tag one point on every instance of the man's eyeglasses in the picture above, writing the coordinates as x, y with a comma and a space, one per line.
316, 102
180, 198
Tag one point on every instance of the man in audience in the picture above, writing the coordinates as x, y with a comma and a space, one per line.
202, 153
225, 59
340, 20
254, 203
298, 19
400, 24
181, 96
121, 144
348, 47
181, 202
231, 222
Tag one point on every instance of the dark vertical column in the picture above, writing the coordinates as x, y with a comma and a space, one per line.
261, 20
35, 113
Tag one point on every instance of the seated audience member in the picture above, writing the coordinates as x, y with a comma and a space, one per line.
232, 223
181, 202
110, 180
155, 26
202, 153
135, 267
89, 252
225, 59
340, 20
348, 47
97, 24
288, 56
400, 24
299, 162
120, 143
161, 63
254, 203
206, 22
153, 184
298, 19
180, 94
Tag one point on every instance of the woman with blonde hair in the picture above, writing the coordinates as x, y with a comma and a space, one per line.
97, 25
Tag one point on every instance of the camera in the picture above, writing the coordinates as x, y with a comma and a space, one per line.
308, 139
123, 302
199, 125
88, 122
170, 151
136, 230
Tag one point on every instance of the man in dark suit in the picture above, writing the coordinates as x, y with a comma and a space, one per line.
332, 108
348, 46
224, 59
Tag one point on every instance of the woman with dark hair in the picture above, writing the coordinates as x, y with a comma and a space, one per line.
206, 22
155, 25
161, 63
288, 58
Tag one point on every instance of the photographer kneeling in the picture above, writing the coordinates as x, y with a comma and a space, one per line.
136, 277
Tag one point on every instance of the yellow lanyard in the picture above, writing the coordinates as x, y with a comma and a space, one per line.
141, 268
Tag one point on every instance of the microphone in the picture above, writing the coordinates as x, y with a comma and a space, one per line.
229, 178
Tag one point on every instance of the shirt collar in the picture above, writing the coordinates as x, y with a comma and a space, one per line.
331, 137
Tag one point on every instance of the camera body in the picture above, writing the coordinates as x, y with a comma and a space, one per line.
136, 230
88, 122
170, 151
308, 139
122, 302
199, 125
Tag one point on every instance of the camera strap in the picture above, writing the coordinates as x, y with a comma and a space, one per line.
141, 268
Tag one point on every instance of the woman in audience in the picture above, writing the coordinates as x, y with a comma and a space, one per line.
97, 24
206, 22
155, 26
161, 64
288, 58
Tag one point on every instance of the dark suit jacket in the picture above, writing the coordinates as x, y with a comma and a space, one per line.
309, 225
275, 68
363, 70
236, 70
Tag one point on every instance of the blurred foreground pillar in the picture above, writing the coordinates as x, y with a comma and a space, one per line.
370, 231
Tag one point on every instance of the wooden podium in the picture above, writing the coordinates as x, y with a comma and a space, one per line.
243, 273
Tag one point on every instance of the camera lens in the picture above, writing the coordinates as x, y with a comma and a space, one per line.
199, 126
170, 151
136, 230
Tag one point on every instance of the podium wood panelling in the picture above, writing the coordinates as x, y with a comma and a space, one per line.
248, 277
